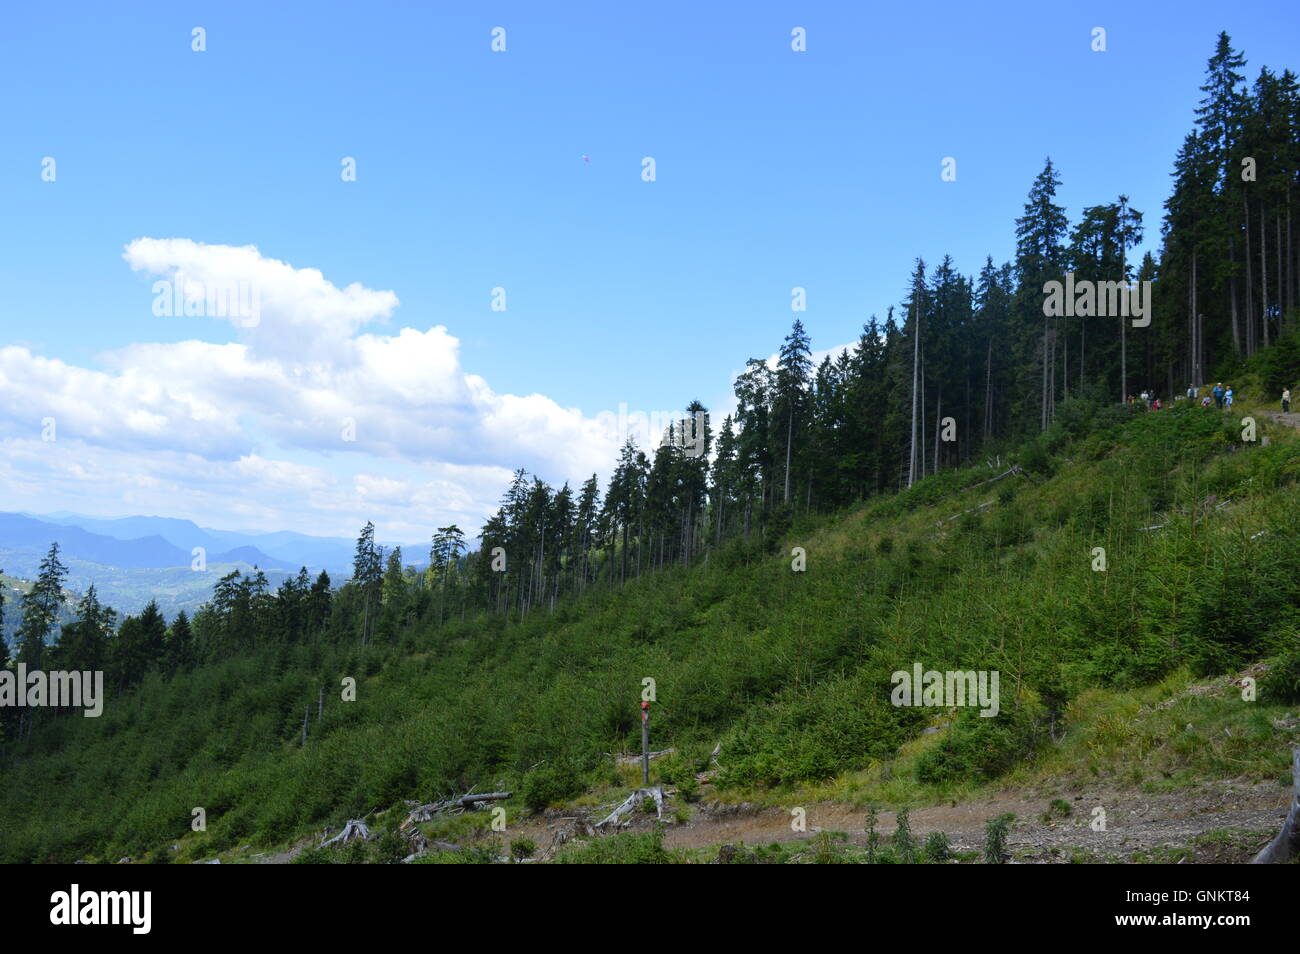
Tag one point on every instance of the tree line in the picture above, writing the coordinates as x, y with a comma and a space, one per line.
971, 358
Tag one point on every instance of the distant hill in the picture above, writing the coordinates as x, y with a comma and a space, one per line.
184, 534
330, 553
282, 549
21, 533
133, 559
128, 572
252, 556
126, 590
33, 536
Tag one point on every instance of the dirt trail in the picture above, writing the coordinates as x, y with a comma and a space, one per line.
1239, 818
1136, 823
1292, 419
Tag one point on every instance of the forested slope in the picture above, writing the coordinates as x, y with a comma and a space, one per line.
789, 670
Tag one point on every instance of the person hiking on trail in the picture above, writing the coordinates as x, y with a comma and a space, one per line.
1227, 398
1218, 395
1286, 400
1191, 393
1205, 401
1155, 404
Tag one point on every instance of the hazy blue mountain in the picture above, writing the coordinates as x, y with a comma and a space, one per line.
22, 533
129, 542
184, 534
253, 557
278, 548
133, 559
333, 553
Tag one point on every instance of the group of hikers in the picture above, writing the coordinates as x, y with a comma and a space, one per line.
1149, 399
1146, 399
1221, 397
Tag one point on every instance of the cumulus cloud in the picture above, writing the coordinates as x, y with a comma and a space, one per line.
309, 377
251, 491
305, 374
132, 408
304, 312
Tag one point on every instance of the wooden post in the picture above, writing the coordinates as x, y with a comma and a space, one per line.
645, 743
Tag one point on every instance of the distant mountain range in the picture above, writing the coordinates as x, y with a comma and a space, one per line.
134, 559
122, 546
167, 541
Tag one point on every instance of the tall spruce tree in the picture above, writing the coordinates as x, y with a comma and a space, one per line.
1040, 257
40, 608
790, 405
367, 570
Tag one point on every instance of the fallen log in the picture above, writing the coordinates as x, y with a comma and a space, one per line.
471, 801
1015, 469
633, 800
423, 813
635, 758
1285, 847
987, 503
431, 847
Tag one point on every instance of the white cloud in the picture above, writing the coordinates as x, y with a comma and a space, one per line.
162, 425
308, 315
250, 491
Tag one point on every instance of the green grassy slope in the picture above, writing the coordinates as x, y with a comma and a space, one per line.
789, 670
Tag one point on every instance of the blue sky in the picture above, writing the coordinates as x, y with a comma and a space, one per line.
819, 169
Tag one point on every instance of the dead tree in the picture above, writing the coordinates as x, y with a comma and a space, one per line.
633, 800
424, 813
355, 828
1286, 846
